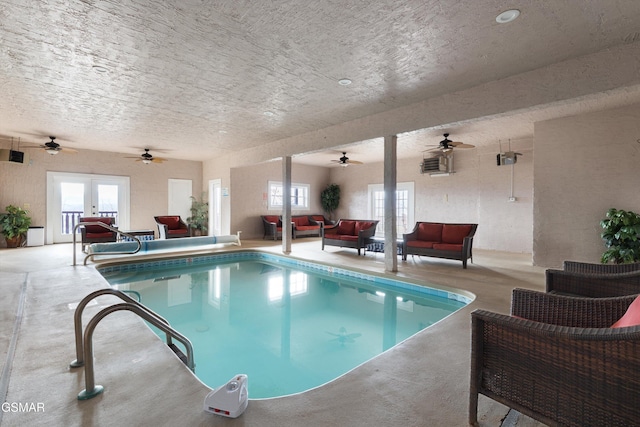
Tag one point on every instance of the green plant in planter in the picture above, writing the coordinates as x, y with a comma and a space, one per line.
14, 224
199, 219
621, 236
330, 198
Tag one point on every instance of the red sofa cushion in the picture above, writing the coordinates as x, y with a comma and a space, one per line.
454, 233
300, 221
447, 247
177, 231
272, 218
430, 232
96, 229
307, 227
318, 218
172, 222
348, 238
362, 225
420, 244
347, 227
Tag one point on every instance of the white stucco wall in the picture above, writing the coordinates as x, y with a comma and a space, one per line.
26, 183
584, 165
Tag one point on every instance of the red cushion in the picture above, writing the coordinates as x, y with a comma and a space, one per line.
362, 225
347, 227
96, 228
631, 317
420, 244
106, 235
348, 238
453, 233
430, 232
172, 222
447, 247
318, 218
177, 231
332, 235
272, 218
307, 227
300, 220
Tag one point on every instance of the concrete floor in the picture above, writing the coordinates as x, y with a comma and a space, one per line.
422, 382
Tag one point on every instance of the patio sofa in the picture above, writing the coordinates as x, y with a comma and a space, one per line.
305, 225
349, 233
440, 240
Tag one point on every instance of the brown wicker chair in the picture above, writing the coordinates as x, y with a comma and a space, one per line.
589, 268
594, 280
559, 362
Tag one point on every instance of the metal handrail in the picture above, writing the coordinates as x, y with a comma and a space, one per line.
77, 318
92, 389
109, 227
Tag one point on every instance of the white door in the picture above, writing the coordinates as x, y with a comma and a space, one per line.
79, 195
215, 210
180, 198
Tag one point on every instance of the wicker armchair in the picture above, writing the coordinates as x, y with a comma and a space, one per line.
594, 280
588, 268
559, 362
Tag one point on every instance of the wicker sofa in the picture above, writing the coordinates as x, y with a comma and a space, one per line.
349, 233
560, 361
305, 225
440, 240
594, 280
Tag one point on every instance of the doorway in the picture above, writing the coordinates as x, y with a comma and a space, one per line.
71, 196
215, 209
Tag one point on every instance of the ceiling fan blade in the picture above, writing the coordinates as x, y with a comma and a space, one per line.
354, 162
462, 145
68, 150
158, 160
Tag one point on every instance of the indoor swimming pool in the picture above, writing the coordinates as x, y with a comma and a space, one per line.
290, 325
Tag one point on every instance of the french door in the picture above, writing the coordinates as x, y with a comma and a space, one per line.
72, 196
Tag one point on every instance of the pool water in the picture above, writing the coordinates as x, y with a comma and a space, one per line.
289, 327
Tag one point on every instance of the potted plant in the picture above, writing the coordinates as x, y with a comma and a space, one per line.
14, 224
199, 218
621, 236
330, 199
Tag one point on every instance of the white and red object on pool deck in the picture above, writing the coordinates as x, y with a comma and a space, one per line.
229, 400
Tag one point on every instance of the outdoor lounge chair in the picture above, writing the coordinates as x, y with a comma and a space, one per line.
560, 361
594, 280
96, 233
171, 227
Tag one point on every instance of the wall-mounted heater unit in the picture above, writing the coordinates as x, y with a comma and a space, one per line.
13, 156
508, 158
442, 164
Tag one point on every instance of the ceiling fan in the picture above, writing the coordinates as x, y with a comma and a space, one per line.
447, 145
53, 148
147, 158
344, 161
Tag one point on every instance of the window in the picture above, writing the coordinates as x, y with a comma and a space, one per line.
299, 195
404, 207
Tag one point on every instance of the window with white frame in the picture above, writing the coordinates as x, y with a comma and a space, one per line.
299, 195
404, 207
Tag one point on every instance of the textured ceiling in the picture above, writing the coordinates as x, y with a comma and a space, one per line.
194, 78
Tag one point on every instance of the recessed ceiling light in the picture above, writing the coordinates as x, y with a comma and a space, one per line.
507, 16
344, 82
222, 131
269, 113
100, 69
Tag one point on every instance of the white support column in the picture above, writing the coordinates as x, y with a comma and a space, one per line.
286, 205
390, 184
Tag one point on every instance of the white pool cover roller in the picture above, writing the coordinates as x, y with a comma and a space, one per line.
229, 400
164, 244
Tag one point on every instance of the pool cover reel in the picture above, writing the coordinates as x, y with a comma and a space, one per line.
229, 400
